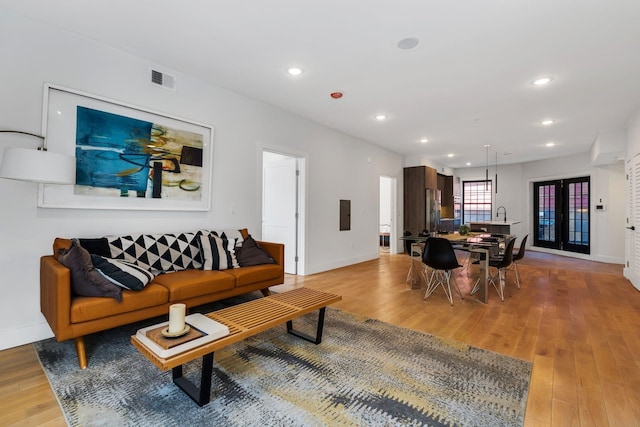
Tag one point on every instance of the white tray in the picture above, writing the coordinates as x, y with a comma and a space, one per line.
211, 329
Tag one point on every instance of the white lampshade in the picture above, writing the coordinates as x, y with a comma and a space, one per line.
38, 166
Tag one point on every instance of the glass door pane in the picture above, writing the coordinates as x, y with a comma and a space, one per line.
576, 211
546, 214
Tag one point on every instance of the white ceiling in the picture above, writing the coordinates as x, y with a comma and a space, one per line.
466, 84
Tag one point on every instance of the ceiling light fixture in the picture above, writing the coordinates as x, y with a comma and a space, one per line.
294, 71
550, 144
424, 140
408, 43
450, 155
381, 117
542, 81
548, 122
468, 163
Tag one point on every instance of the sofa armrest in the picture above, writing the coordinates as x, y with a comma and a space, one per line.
55, 296
275, 250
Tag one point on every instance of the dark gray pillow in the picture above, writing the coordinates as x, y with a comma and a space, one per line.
251, 253
85, 279
98, 246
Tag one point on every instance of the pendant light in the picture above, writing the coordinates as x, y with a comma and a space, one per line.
486, 170
496, 172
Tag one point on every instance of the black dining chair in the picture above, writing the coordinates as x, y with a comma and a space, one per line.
439, 255
501, 264
517, 257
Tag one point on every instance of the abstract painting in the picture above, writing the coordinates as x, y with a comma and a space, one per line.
125, 157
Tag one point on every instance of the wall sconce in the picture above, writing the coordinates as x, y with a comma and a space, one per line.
39, 165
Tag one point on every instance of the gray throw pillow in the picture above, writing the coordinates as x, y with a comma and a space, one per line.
251, 253
85, 279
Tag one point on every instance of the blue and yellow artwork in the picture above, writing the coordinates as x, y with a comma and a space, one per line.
126, 157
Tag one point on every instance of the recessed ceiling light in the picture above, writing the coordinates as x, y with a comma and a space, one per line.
542, 81
468, 163
424, 140
381, 117
450, 155
550, 144
548, 122
294, 71
408, 43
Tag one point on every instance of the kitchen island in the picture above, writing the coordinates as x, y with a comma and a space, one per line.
498, 227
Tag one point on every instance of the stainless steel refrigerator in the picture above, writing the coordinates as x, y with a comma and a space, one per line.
433, 210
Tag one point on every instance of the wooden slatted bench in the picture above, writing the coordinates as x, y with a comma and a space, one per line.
243, 320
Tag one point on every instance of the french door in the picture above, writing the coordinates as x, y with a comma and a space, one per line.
562, 214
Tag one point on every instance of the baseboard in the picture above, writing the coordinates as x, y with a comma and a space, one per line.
588, 257
10, 338
312, 269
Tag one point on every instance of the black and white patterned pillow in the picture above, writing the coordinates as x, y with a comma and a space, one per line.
125, 274
158, 253
228, 234
218, 253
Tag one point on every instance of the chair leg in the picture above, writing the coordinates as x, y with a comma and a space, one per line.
515, 267
499, 287
455, 284
442, 278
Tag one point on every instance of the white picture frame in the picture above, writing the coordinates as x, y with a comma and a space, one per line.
68, 123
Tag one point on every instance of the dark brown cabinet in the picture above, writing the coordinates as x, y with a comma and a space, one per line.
417, 180
445, 185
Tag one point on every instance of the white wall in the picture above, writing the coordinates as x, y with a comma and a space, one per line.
338, 168
633, 137
515, 192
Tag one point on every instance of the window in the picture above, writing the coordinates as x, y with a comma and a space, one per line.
476, 205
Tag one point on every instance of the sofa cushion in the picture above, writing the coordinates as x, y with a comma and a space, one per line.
218, 253
125, 274
85, 279
84, 309
257, 273
158, 253
251, 253
187, 284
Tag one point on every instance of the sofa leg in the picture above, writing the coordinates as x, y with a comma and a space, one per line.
265, 292
82, 354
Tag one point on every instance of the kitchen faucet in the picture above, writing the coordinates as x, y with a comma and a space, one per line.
504, 210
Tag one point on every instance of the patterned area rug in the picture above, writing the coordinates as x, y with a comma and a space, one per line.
365, 372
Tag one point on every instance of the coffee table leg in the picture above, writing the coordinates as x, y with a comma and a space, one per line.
318, 337
200, 395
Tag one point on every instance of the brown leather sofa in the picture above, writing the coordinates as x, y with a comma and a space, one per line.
71, 316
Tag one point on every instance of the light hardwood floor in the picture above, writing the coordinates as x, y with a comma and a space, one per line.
577, 321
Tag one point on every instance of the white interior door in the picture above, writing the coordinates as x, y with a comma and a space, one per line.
632, 236
279, 205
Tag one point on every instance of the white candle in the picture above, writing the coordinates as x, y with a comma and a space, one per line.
176, 318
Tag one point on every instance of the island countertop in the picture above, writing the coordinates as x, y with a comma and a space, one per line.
495, 222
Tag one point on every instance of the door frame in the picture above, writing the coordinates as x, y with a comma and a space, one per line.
530, 209
393, 206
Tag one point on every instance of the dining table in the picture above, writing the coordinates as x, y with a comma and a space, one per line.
485, 244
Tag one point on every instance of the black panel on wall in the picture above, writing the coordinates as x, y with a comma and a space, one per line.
345, 215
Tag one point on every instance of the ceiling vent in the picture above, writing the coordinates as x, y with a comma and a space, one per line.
163, 79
